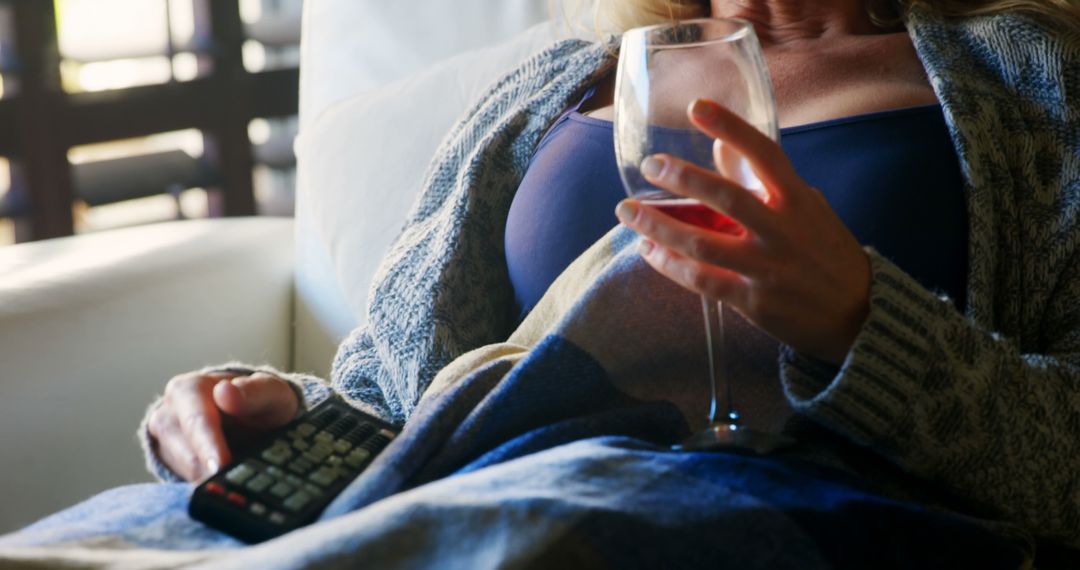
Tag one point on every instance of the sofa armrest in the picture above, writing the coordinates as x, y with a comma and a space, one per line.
91, 327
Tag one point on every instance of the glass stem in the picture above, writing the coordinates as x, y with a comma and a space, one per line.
719, 380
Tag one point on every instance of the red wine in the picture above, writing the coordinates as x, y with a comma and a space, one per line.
695, 213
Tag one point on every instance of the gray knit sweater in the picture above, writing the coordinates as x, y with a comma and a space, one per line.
985, 403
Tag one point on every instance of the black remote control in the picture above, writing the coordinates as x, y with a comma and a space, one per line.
287, 480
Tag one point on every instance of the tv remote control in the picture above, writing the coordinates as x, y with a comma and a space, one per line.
288, 479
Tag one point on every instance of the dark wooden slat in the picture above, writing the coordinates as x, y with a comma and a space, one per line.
43, 164
138, 111
9, 137
228, 143
141, 111
275, 93
111, 181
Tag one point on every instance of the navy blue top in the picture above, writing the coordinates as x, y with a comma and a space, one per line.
892, 177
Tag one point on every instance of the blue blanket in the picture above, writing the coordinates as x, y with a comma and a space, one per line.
554, 450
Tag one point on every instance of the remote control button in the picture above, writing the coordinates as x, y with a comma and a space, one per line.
306, 429
299, 500
334, 461
240, 473
357, 458
281, 490
258, 509
294, 481
313, 490
324, 476
387, 434
341, 446
215, 488
300, 466
300, 445
319, 452
277, 455
260, 482
277, 518
293, 434
237, 499
324, 437
275, 473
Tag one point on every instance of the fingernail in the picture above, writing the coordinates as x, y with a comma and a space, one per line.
652, 167
626, 211
239, 389
646, 247
212, 466
703, 109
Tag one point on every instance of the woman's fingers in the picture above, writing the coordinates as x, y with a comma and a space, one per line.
188, 427
765, 156
711, 189
702, 278
172, 445
259, 401
190, 399
708, 246
797, 272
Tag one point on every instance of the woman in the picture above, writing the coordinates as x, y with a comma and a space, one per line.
963, 377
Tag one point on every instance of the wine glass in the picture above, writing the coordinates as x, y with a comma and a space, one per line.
662, 70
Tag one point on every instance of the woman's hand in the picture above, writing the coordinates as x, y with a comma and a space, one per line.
796, 272
199, 412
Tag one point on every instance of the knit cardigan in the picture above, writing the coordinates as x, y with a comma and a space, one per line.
985, 403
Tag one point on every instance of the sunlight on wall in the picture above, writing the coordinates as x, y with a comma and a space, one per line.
5, 176
251, 10
126, 213
254, 56
115, 44
98, 30
114, 74
189, 141
259, 131
7, 227
185, 66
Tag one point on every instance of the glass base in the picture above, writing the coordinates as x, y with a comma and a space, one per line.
727, 437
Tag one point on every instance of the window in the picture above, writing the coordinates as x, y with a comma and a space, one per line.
141, 94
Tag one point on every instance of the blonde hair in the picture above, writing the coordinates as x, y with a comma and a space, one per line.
616, 16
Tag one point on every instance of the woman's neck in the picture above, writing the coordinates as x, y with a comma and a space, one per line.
791, 21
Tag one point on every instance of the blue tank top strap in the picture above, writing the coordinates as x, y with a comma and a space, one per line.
576, 107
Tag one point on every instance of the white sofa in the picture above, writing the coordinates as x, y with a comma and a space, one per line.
91, 327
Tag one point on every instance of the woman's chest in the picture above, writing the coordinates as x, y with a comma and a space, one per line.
870, 77
813, 84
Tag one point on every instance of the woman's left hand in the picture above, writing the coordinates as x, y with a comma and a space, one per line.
796, 272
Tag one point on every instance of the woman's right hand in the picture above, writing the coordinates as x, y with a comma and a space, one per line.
200, 415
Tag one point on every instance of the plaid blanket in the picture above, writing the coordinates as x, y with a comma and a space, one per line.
553, 449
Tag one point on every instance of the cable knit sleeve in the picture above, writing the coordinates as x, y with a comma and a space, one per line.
953, 402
